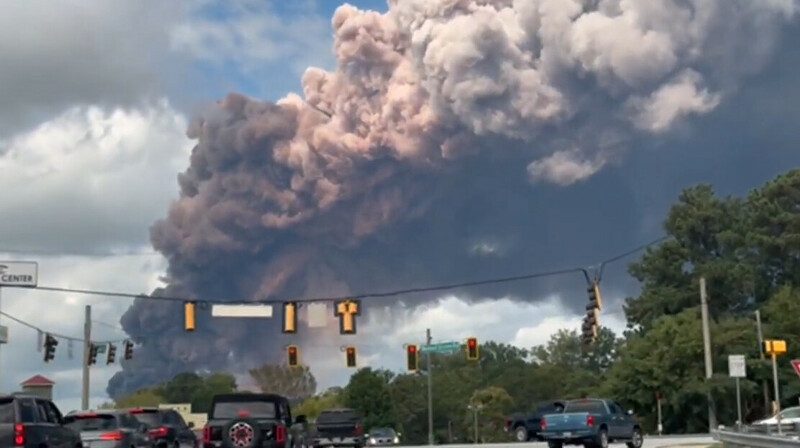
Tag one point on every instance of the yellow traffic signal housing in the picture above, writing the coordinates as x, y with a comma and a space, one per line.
350, 353
412, 358
774, 347
292, 356
472, 349
346, 311
290, 317
189, 316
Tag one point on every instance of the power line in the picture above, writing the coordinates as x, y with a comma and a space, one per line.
56, 335
374, 295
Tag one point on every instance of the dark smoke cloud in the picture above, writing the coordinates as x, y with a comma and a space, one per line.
414, 161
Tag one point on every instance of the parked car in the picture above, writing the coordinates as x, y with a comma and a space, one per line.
787, 416
28, 421
109, 429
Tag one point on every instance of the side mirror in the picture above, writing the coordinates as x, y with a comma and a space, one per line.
300, 419
630, 412
190, 425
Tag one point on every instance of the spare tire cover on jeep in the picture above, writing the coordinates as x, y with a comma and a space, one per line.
241, 433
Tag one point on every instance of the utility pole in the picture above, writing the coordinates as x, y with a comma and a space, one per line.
430, 385
712, 419
87, 344
761, 350
475, 409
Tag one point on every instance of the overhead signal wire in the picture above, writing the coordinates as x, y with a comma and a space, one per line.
375, 295
54, 334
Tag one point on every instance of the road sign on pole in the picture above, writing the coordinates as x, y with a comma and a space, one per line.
796, 366
444, 347
737, 368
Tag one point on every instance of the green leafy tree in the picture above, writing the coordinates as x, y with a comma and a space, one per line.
141, 398
297, 383
494, 404
368, 393
313, 406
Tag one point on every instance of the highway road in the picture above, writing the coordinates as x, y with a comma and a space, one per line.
698, 441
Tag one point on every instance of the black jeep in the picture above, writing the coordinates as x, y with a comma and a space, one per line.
247, 420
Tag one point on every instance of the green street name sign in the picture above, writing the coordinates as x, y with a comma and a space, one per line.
444, 347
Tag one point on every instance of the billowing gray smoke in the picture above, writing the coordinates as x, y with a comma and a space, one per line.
424, 142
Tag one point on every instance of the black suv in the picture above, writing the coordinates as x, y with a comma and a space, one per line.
166, 427
31, 422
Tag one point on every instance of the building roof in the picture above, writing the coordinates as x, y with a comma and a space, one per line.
37, 380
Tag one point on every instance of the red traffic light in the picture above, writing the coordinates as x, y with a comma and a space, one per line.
412, 348
351, 350
472, 342
292, 350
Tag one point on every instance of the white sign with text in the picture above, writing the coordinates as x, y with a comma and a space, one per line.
21, 274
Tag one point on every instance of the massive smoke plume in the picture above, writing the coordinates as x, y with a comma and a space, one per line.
428, 138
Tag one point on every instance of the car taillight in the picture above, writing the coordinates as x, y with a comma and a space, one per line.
280, 434
359, 429
508, 423
544, 423
19, 435
206, 434
116, 435
589, 421
159, 432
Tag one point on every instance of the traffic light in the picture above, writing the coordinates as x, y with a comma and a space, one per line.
595, 299
49, 347
589, 327
188, 315
112, 353
290, 317
292, 356
128, 349
412, 358
351, 356
472, 349
346, 311
93, 354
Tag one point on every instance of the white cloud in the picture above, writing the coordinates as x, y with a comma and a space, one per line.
63, 313
91, 178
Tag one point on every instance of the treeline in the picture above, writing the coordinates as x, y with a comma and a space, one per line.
747, 249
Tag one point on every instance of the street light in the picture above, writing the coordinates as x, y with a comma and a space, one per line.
475, 409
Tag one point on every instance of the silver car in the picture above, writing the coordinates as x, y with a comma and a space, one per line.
109, 429
382, 437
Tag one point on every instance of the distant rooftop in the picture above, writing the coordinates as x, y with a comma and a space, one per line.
37, 380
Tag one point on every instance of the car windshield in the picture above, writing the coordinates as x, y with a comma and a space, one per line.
149, 418
791, 413
92, 422
382, 432
255, 409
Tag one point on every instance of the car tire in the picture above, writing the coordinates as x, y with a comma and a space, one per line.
521, 434
636, 440
602, 438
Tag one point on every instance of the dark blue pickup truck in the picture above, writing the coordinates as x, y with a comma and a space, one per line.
592, 423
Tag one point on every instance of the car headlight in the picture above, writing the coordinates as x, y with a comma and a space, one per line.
372, 441
396, 439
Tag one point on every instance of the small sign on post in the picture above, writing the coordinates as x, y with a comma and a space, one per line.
737, 368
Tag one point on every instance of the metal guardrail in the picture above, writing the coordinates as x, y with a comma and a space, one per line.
760, 436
